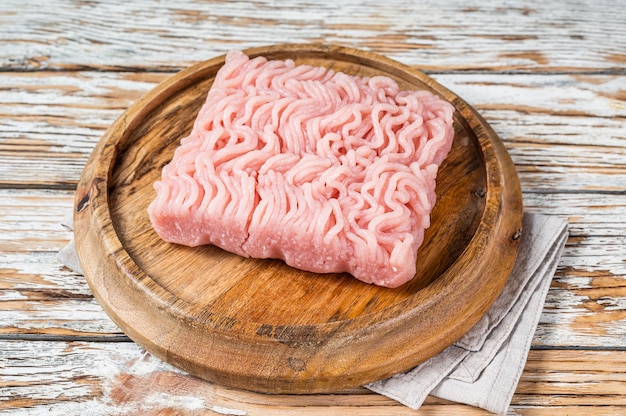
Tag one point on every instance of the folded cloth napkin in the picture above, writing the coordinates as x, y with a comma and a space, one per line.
482, 368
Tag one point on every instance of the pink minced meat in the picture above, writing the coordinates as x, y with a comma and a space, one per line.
327, 171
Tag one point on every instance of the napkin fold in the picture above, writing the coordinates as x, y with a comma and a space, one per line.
482, 368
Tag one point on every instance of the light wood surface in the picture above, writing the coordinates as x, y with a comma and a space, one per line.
550, 77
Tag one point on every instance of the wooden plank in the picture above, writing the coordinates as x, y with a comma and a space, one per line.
584, 306
45, 316
600, 215
40, 271
100, 378
564, 132
51, 122
42, 231
495, 36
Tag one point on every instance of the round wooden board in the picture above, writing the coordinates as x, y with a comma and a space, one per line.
259, 324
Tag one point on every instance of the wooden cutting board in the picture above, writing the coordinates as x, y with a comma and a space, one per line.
259, 324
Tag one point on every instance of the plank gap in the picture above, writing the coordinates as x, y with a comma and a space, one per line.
50, 186
576, 348
175, 69
65, 338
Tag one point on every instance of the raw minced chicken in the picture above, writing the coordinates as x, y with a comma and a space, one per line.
327, 171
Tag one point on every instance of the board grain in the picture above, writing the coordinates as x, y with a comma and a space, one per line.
259, 324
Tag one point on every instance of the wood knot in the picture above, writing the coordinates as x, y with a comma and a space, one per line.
480, 193
296, 364
84, 201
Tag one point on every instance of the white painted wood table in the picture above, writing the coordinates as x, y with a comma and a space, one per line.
550, 77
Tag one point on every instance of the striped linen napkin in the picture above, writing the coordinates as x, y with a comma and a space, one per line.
483, 368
